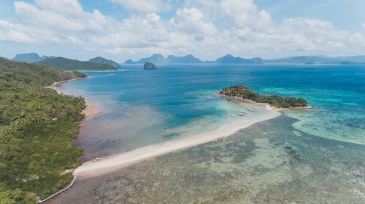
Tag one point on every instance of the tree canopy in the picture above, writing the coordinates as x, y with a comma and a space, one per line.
277, 101
36, 131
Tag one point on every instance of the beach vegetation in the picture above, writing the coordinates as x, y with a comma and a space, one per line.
37, 126
243, 92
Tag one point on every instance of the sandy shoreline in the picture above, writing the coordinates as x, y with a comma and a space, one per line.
109, 164
90, 111
53, 86
265, 104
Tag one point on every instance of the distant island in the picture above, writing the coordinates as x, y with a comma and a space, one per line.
226, 59
171, 59
243, 92
70, 64
189, 59
230, 59
29, 57
149, 65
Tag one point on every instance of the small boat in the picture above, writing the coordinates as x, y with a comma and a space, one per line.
111, 74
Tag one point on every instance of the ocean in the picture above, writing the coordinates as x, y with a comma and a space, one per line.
302, 156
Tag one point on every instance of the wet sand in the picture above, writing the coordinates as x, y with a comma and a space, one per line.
90, 111
112, 163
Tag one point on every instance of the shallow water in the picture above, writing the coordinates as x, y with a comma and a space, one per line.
303, 156
147, 107
269, 162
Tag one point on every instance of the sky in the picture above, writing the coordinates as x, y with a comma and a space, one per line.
208, 29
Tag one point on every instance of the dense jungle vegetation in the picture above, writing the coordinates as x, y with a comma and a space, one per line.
277, 101
70, 64
37, 126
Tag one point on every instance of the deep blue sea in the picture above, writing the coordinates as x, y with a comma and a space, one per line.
143, 107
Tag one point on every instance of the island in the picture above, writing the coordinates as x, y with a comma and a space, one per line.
243, 92
149, 65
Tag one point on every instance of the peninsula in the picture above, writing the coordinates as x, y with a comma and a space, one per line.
243, 92
62, 63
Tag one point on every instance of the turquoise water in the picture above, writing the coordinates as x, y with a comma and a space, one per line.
144, 107
302, 156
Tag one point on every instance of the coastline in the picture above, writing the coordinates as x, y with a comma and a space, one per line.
89, 112
109, 164
55, 84
264, 104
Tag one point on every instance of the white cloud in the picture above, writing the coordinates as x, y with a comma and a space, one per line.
205, 28
66, 17
295, 35
153, 17
239, 10
69, 7
357, 39
192, 21
25, 34
143, 6
363, 25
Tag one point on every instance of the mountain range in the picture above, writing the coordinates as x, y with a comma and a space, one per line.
230, 59
227, 59
29, 57
171, 59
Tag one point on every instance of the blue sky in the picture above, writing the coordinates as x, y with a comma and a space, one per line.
208, 29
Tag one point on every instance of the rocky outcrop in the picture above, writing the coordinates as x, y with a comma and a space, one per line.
149, 65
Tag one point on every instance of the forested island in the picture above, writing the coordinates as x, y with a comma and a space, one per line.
243, 92
37, 126
70, 64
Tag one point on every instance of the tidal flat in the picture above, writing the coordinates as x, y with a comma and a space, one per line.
268, 162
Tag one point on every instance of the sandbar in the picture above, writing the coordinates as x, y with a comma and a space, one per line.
109, 164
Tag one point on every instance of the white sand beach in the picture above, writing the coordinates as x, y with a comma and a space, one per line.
108, 164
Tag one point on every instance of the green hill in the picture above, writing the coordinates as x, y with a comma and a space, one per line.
70, 64
36, 131
105, 61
